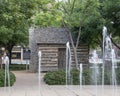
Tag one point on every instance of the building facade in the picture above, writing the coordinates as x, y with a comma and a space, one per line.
19, 55
51, 42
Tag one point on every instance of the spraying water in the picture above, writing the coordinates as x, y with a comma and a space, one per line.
5, 60
7, 73
68, 64
114, 81
109, 59
39, 68
103, 65
80, 75
114, 64
95, 71
95, 68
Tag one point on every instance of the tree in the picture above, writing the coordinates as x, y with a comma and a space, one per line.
92, 32
110, 17
14, 22
74, 15
48, 14
77, 13
84, 19
111, 13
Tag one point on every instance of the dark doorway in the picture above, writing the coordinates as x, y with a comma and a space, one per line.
61, 58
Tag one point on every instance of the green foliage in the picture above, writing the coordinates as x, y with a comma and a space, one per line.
47, 19
111, 14
5, 33
77, 12
48, 15
107, 77
2, 78
86, 76
15, 17
118, 76
83, 16
92, 15
55, 77
85, 79
59, 77
17, 67
75, 76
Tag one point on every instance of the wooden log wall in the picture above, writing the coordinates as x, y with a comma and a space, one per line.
54, 59
49, 56
83, 55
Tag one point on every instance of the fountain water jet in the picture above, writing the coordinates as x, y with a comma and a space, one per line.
39, 70
103, 65
5, 60
95, 67
7, 73
80, 75
68, 64
114, 64
39, 67
95, 71
109, 59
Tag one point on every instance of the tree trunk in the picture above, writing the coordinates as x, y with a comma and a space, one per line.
74, 47
9, 49
10, 55
115, 44
76, 58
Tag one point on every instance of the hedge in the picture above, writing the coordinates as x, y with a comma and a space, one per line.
2, 78
17, 66
59, 77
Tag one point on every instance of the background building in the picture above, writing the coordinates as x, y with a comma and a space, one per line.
52, 43
20, 55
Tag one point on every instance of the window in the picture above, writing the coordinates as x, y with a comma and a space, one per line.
16, 55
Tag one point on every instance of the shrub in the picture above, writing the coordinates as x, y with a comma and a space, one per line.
107, 77
2, 78
118, 76
75, 76
17, 66
85, 77
59, 77
55, 77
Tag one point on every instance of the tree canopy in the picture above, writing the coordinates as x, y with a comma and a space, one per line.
15, 18
111, 13
109, 17
83, 18
48, 14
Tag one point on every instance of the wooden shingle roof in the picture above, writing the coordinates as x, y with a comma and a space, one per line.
51, 35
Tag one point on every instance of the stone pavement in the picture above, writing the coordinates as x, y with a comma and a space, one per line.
27, 85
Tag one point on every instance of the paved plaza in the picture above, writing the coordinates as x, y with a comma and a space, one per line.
27, 85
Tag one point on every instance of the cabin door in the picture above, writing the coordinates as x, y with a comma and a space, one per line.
61, 58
